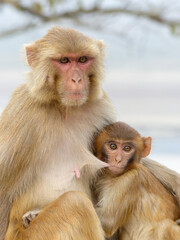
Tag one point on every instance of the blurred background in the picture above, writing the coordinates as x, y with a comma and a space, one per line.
143, 58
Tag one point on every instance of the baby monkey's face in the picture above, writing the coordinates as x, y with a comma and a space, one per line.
119, 154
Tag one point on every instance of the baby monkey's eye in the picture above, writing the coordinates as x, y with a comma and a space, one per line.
83, 59
113, 146
64, 60
127, 148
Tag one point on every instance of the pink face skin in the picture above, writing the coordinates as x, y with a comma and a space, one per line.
73, 69
119, 153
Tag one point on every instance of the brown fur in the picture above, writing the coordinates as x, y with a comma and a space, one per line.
169, 178
42, 141
134, 202
67, 224
113, 131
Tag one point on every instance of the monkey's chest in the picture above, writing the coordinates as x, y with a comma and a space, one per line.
71, 152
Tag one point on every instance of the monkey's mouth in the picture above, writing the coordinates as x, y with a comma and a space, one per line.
75, 95
114, 168
74, 98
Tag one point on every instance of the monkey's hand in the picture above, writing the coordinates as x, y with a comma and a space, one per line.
29, 217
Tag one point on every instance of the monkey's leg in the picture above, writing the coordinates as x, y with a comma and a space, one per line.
169, 178
70, 217
166, 230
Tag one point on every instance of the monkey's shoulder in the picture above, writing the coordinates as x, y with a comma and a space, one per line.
147, 178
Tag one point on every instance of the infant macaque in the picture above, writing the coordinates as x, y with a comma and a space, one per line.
129, 197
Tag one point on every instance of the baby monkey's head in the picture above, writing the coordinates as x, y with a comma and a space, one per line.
121, 146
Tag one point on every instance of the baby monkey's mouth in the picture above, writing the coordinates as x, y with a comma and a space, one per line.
114, 166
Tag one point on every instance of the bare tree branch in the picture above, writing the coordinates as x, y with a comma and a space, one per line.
151, 16
31, 11
80, 12
18, 29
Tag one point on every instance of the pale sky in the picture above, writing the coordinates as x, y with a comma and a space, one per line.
142, 76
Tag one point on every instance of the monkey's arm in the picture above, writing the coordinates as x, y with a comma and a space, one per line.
169, 178
19, 148
116, 201
71, 214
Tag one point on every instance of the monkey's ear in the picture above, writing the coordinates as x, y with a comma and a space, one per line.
101, 45
31, 53
147, 146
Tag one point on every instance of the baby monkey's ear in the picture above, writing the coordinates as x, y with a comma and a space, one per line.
146, 146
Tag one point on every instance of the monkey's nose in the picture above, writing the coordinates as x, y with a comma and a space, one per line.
118, 159
76, 80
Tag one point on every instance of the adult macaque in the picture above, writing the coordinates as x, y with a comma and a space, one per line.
46, 133
129, 197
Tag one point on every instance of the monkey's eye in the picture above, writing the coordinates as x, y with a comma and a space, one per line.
127, 148
83, 59
64, 60
113, 146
